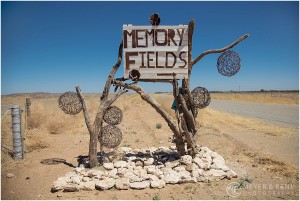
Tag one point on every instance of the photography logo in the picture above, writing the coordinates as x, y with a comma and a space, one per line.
232, 189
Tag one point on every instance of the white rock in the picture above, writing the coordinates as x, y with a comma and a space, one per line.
122, 171
140, 185
186, 159
86, 179
10, 175
113, 172
153, 177
214, 175
195, 173
179, 168
184, 174
173, 147
79, 169
149, 161
219, 166
205, 149
105, 184
159, 173
88, 186
188, 180
206, 158
219, 160
108, 166
191, 166
213, 154
171, 178
135, 178
131, 159
125, 150
120, 164
199, 162
167, 170
122, 184
76, 179
139, 163
71, 187
202, 179
137, 167
151, 169
172, 164
140, 173
157, 183
231, 174
152, 149
59, 184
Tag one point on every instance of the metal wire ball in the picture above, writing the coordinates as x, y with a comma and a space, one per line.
70, 103
110, 136
229, 63
113, 115
201, 97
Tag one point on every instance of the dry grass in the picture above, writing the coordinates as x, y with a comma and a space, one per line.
260, 97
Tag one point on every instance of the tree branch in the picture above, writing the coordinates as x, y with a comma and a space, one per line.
220, 50
112, 73
84, 108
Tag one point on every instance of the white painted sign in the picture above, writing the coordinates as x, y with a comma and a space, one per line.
157, 52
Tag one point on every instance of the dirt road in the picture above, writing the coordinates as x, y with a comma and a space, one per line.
282, 115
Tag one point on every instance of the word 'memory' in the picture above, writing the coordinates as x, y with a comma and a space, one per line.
156, 52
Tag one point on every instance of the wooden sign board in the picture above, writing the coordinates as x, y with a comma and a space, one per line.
157, 52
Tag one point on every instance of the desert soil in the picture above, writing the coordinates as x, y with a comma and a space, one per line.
259, 159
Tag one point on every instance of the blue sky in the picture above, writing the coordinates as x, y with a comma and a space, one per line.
53, 46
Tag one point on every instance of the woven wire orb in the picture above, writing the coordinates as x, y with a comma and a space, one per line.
229, 63
113, 115
201, 97
110, 136
70, 103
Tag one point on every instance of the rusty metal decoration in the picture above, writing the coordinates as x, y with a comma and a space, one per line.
70, 103
134, 75
229, 63
201, 97
154, 19
113, 115
110, 136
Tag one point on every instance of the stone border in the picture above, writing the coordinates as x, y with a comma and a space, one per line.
147, 168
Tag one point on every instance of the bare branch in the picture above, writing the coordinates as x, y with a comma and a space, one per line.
84, 108
220, 50
112, 73
190, 44
157, 107
187, 114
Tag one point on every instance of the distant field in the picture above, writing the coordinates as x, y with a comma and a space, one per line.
259, 97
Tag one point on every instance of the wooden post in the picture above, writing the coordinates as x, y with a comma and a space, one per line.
17, 132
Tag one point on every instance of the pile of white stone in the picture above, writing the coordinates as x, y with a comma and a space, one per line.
147, 168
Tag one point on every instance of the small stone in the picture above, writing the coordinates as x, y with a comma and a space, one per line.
59, 184
215, 175
71, 188
108, 166
219, 160
231, 174
122, 184
171, 178
139, 163
79, 169
113, 172
180, 168
149, 161
140, 173
188, 180
172, 164
184, 174
105, 184
10, 175
140, 185
157, 184
59, 195
151, 169
219, 166
88, 186
186, 159
86, 179
191, 167
124, 150
120, 164
173, 147
122, 171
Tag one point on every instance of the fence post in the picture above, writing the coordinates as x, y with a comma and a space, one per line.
17, 133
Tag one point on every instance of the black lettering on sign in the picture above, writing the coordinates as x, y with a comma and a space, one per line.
132, 34
128, 61
182, 59
167, 59
157, 66
140, 38
148, 59
164, 33
171, 35
143, 58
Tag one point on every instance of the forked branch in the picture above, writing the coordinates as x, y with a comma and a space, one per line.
219, 50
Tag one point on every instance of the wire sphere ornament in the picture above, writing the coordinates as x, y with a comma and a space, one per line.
201, 97
110, 136
113, 115
229, 63
70, 103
